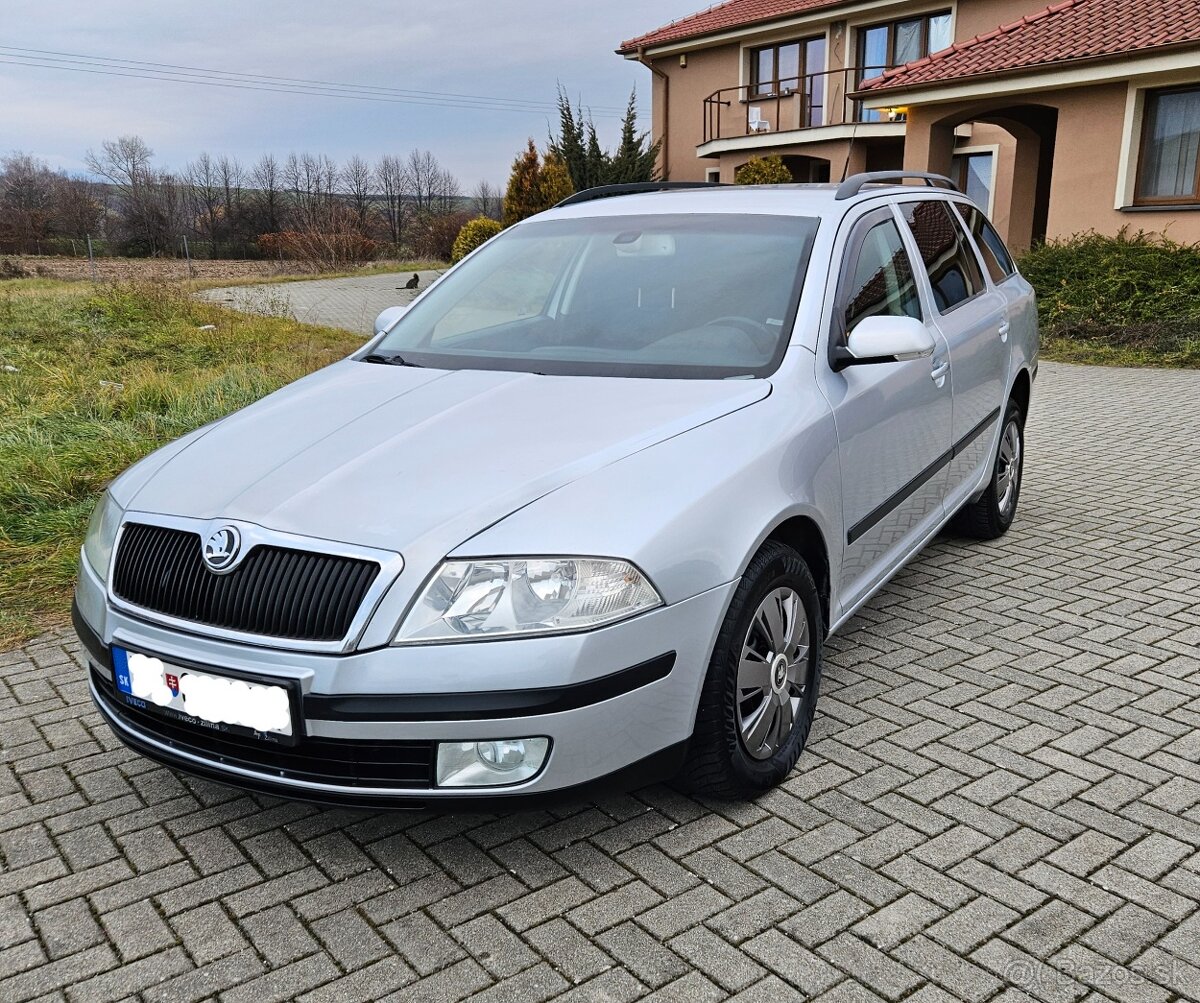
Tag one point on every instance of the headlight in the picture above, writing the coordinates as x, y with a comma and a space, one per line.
102, 534
477, 600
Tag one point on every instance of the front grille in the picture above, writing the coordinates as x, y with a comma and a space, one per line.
386, 765
275, 591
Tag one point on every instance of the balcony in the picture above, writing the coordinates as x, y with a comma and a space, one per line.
809, 102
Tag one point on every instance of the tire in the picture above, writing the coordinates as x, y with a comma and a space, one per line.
990, 516
725, 757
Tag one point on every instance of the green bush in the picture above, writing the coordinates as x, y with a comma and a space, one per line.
1133, 294
763, 171
475, 233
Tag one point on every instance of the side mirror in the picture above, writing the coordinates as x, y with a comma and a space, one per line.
885, 339
389, 317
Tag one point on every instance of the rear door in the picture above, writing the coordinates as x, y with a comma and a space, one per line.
1020, 309
971, 315
892, 418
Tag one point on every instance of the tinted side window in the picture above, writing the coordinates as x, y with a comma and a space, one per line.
881, 279
953, 269
995, 255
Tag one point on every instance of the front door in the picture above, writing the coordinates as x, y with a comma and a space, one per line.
893, 418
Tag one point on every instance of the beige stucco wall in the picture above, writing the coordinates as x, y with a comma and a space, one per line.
678, 102
707, 70
1089, 139
1089, 148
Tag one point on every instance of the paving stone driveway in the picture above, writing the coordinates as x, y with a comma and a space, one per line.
352, 303
1001, 800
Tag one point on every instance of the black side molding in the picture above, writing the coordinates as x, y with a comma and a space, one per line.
489, 704
97, 650
880, 512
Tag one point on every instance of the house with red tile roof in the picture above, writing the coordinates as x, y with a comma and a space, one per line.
1083, 115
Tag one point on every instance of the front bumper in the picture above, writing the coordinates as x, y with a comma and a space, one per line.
616, 703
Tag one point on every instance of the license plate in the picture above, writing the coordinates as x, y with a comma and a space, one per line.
205, 699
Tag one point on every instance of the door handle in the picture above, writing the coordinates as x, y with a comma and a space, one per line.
938, 374
1005, 327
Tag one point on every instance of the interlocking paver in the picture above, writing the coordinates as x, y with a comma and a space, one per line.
1000, 803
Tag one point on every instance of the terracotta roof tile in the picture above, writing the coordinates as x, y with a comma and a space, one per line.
1070, 30
733, 14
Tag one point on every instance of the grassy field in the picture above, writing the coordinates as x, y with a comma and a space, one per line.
203, 273
92, 377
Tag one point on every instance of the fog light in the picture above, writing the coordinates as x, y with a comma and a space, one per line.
494, 763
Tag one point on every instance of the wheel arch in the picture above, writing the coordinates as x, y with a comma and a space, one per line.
803, 535
1021, 389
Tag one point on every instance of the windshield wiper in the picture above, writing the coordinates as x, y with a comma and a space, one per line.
390, 360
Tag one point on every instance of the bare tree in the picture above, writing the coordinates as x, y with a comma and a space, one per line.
486, 199
203, 185
27, 188
149, 204
232, 177
311, 180
265, 180
124, 161
78, 207
446, 193
358, 186
395, 185
430, 181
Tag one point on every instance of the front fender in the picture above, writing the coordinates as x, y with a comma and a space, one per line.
690, 512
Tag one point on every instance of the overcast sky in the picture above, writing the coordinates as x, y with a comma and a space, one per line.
499, 50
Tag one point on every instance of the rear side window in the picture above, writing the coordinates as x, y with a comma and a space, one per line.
995, 255
880, 279
954, 272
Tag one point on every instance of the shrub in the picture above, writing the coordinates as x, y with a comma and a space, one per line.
331, 238
763, 171
475, 233
432, 235
10, 269
1139, 291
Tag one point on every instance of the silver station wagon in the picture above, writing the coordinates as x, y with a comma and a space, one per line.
587, 509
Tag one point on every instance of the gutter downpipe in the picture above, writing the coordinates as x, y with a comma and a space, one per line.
666, 80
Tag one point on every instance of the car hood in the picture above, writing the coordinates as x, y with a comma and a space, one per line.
384, 456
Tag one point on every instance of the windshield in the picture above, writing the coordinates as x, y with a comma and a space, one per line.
699, 296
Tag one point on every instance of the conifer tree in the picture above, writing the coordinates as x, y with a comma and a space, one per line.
523, 196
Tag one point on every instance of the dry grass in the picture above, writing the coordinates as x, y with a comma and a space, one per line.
204, 273
91, 379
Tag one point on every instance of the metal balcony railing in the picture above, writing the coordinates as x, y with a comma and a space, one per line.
787, 105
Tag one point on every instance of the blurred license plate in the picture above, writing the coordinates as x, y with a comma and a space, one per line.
204, 699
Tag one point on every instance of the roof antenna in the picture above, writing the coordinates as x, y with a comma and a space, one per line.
849, 150
853, 136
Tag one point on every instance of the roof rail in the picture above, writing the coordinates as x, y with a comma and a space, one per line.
637, 188
854, 184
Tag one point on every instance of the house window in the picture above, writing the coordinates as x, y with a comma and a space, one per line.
972, 172
1169, 170
776, 69
893, 43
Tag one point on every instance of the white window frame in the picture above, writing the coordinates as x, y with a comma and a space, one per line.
994, 150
